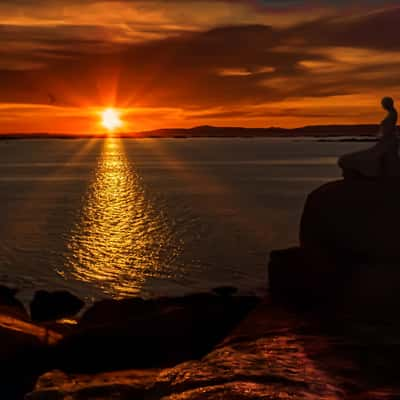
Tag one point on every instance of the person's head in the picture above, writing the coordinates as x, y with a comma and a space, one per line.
388, 103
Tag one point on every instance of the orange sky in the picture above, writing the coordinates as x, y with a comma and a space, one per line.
182, 63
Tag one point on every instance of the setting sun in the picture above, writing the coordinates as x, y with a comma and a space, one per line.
111, 119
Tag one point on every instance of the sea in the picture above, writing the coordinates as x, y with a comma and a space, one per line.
153, 217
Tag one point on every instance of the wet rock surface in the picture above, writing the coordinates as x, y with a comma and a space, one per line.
110, 336
275, 353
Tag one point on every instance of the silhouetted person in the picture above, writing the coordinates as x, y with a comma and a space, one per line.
381, 159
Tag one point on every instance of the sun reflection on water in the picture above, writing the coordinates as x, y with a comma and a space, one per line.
120, 238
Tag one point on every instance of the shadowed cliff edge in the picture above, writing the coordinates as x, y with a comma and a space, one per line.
327, 329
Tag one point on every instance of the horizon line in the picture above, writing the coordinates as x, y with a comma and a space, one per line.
197, 127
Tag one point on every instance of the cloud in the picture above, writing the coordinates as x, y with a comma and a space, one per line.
231, 61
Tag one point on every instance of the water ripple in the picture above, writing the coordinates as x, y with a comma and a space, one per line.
120, 239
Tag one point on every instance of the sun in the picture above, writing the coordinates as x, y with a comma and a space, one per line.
110, 119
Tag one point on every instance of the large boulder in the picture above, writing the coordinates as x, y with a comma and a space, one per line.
349, 251
136, 333
51, 306
114, 311
354, 220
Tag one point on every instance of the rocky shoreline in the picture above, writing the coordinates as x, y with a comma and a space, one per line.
111, 335
327, 328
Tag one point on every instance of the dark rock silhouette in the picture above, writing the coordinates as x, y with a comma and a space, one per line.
312, 281
10, 305
289, 276
24, 354
353, 221
348, 257
115, 311
134, 333
225, 290
50, 306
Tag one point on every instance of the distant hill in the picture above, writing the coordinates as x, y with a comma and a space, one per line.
317, 131
310, 131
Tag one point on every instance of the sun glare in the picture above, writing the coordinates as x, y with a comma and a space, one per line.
111, 119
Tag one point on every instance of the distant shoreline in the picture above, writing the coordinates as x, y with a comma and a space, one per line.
348, 132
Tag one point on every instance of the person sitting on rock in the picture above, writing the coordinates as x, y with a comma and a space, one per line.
381, 159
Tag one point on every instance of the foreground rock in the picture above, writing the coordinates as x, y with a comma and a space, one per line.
10, 305
260, 360
111, 335
24, 354
51, 306
134, 333
24, 347
273, 354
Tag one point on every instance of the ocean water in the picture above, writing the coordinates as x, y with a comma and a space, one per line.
151, 217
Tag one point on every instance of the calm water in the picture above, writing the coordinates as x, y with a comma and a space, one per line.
152, 217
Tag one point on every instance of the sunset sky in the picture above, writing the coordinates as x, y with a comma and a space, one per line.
181, 63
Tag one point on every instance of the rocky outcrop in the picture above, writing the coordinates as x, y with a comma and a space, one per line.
111, 335
259, 360
272, 354
353, 221
25, 347
136, 333
51, 306
348, 256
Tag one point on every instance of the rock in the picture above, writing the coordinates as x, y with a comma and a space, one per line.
272, 354
225, 290
10, 305
263, 358
51, 306
131, 384
24, 355
349, 248
114, 311
353, 221
316, 285
135, 333
288, 275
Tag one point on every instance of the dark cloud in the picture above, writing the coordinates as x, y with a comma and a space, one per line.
376, 29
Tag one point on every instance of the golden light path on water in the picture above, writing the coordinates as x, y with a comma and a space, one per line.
120, 240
